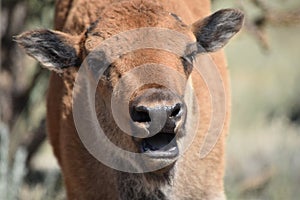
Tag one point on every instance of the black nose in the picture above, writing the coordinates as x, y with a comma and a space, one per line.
157, 109
141, 113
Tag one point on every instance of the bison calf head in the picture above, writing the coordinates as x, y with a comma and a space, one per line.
150, 101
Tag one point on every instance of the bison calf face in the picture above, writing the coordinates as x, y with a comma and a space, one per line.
156, 108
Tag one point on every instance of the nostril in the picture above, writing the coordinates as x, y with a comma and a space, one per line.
140, 114
175, 111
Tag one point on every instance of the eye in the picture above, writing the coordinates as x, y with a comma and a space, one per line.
187, 62
107, 72
188, 59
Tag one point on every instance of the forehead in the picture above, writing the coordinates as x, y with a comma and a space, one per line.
169, 62
144, 56
118, 18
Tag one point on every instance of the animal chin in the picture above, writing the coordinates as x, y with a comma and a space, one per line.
162, 145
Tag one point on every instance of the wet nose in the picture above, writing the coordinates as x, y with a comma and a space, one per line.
152, 105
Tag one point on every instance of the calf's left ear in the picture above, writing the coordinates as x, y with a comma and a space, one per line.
214, 31
54, 49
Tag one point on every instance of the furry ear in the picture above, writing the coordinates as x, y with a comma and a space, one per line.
55, 50
214, 31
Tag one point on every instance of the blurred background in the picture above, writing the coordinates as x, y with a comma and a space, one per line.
263, 147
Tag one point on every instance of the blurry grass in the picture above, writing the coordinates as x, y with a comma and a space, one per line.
271, 149
45, 181
263, 147
12, 184
267, 79
11, 174
49, 189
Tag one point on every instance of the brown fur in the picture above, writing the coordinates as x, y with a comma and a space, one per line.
84, 176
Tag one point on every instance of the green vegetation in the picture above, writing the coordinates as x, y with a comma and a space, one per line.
11, 174
263, 148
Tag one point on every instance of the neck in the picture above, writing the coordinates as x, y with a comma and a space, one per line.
140, 186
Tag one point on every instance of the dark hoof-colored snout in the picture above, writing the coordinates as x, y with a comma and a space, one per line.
160, 112
153, 104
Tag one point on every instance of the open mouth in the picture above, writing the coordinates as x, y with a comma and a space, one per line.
161, 145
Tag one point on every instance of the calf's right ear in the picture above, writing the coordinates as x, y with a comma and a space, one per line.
55, 50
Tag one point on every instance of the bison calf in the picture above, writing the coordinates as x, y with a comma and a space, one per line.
149, 100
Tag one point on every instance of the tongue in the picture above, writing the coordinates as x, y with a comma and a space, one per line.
158, 141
